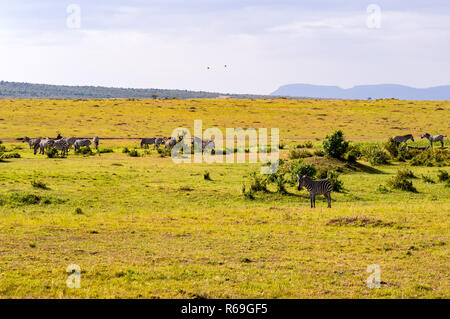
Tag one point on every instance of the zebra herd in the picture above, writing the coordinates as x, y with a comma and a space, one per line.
169, 142
62, 144
432, 139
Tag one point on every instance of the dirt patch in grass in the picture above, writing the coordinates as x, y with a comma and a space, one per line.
359, 222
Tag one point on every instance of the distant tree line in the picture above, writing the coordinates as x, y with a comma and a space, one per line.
29, 90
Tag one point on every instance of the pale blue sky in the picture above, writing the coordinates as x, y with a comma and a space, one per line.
265, 44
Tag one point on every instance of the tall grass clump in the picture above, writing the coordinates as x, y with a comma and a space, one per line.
375, 155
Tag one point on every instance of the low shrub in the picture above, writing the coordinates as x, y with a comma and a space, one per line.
296, 154
105, 150
431, 157
443, 176
84, 150
428, 179
392, 147
133, 153
353, 153
375, 155
207, 176
39, 184
11, 155
300, 168
402, 182
336, 184
125, 150
319, 153
258, 183
53, 153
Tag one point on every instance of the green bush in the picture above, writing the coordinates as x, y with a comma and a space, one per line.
443, 176
431, 157
402, 181
353, 153
133, 153
428, 179
319, 153
52, 153
125, 150
392, 147
84, 150
258, 183
296, 154
11, 155
333, 177
300, 168
335, 145
375, 155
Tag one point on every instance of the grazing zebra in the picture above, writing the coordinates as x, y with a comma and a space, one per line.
43, 145
70, 140
83, 142
160, 140
205, 143
403, 138
61, 145
322, 186
96, 140
435, 138
148, 141
31, 142
170, 143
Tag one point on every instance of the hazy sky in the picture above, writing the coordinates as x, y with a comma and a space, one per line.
265, 44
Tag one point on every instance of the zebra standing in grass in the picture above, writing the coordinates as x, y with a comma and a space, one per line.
61, 145
43, 145
70, 140
96, 141
322, 186
31, 142
148, 141
403, 138
160, 140
435, 138
80, 143
170, 143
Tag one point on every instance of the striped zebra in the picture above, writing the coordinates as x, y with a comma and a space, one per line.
43, 145
61, 145
80, 143
203, 143
148, 141
322, 186
160, 140
435, 138
403, 138
96, 141
70, 140
31, 142
170, 143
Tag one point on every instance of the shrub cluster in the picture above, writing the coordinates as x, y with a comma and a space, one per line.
402, 181
431, 157
335, 145
375, 155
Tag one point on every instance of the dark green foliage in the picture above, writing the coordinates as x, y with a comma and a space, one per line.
105, 150
402, 181
11, 155
392, 147
333, 177
125, 150
319, 153
375, 155
84, 150
443, 176
431, 157
335, 145
52, 153
296, 154
207, 176
133, 153
353, 153
39, 184
428, 179
301, 168
78, 211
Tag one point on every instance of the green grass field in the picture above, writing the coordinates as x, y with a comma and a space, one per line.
145, 227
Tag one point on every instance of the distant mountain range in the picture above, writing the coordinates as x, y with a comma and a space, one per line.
29, 90
379, 91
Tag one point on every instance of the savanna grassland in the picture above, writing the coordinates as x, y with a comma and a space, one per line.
145, 227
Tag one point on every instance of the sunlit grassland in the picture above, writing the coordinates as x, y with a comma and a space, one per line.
150, 228
295, 118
